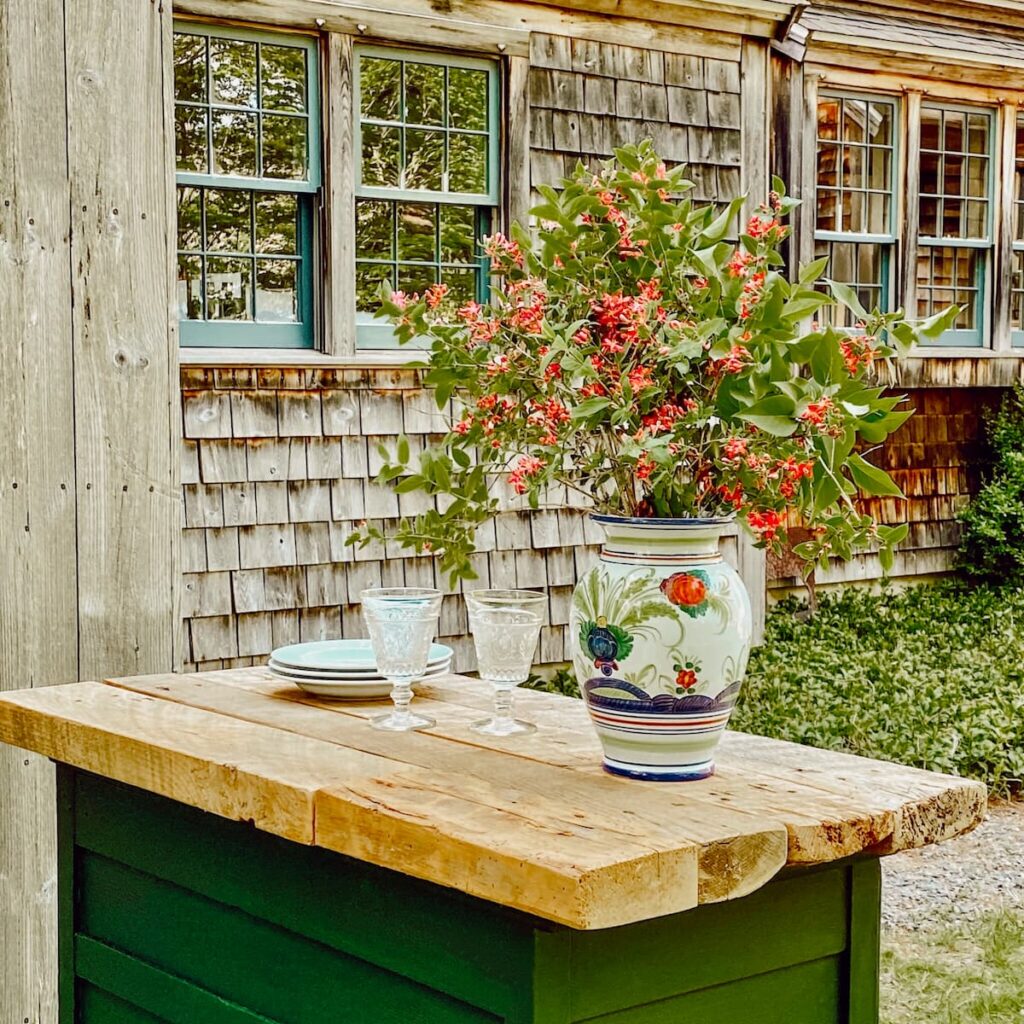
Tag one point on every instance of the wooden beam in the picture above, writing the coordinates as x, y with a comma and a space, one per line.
911, 212
127, 437
1004, 221
339, 213
517, 140
38, 610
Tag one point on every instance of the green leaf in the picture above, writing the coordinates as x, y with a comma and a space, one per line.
812, 271
848, 297
870, 479
590, 407
774, 415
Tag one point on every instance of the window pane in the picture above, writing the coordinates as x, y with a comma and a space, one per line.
854, 120
953, 167
424, 159
276, 223
284, 146
826, 200
828, 165
414, 279
233, 72
375, 229
461, 287
929, 217
228, 288
1017, 291
931, 123
190, 287
282, 77
1018, 189
880, 123
931, 168
458, 234
864, 267
190, 218
977, 176
467, 163
380, 86
190, 138
417, 227
228, 220
277, 297
381, 156
879, 209
953, 131
189, 67
467, 99
979, 127
234, 144
368, 280
424, 94
947, 275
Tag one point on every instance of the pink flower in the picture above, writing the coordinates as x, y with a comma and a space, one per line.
527, 466
435, 294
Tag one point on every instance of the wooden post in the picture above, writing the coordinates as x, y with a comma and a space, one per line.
89, 493
38, 617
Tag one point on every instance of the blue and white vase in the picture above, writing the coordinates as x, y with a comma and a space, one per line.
661, 629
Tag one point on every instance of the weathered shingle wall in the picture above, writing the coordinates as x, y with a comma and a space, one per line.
589, 98
278, 464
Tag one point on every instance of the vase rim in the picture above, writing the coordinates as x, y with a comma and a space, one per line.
641, 521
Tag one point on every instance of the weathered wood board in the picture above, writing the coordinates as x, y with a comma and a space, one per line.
532, 823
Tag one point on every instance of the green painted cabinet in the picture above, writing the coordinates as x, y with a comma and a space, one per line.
169, 914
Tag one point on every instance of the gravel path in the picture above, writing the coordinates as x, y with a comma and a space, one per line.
955, 881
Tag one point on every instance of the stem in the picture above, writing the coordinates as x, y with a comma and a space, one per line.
504, 699
401, 696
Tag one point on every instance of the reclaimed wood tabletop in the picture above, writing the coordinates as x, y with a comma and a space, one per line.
530, 822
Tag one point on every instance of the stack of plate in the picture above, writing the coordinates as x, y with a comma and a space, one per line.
344, 668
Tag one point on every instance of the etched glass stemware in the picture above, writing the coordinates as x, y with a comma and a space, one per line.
506, 626
402, 622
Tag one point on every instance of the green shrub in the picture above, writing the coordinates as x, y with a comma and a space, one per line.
992, 544
932, 676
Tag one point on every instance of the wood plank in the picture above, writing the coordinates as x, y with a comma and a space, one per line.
428, 824
1005, 219
125, 348
38, 581
739, 851
517, 142
339, 209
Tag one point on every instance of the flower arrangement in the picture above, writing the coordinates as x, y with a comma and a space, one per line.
633, 357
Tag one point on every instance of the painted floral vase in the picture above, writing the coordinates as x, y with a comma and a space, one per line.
661, 629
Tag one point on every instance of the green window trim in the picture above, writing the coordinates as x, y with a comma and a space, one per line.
1016, 215
976, 249
869, 254
272, 95
388, 121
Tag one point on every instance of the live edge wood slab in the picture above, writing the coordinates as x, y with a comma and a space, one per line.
531, 823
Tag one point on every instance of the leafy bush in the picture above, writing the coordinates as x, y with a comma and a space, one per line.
992, 545
932, 677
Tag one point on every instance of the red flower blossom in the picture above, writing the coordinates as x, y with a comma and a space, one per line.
765, 523
644, 467
735, 448
527, 466
817, 412
435, 295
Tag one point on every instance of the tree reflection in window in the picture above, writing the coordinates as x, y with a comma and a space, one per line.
426, 178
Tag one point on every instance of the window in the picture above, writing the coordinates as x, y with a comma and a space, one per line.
1017, 220
426, 178
955, 217
248, 170
855, 223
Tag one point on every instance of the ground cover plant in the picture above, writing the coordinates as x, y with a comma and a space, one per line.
966, 974
932, 676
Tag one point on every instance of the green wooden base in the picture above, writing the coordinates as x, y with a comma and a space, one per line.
172, 915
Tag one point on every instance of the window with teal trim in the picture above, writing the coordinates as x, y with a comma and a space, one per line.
1017, 257
427, 182
955, 217
855, 201
247, 141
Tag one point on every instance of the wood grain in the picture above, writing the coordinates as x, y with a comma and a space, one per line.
532, 823
127, 440
38, 613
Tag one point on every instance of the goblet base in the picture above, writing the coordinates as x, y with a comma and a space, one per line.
398, 722
508, 727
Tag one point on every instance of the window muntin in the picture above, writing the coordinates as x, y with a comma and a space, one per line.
855, 201
955, 216
248, 168
427, 144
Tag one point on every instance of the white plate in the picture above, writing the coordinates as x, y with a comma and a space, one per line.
343, 677
348, 656
346, 691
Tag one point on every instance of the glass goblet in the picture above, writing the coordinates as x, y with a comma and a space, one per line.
402, 622
505, 625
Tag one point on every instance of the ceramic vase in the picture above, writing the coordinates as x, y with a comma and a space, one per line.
661, 629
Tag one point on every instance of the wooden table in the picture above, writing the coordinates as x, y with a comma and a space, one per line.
231, 850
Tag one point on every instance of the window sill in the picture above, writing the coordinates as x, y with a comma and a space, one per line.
295, 358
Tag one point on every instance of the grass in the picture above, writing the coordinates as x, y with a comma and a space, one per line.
967, 974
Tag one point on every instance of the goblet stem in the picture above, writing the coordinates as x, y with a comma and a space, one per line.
401, 695
504, 699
